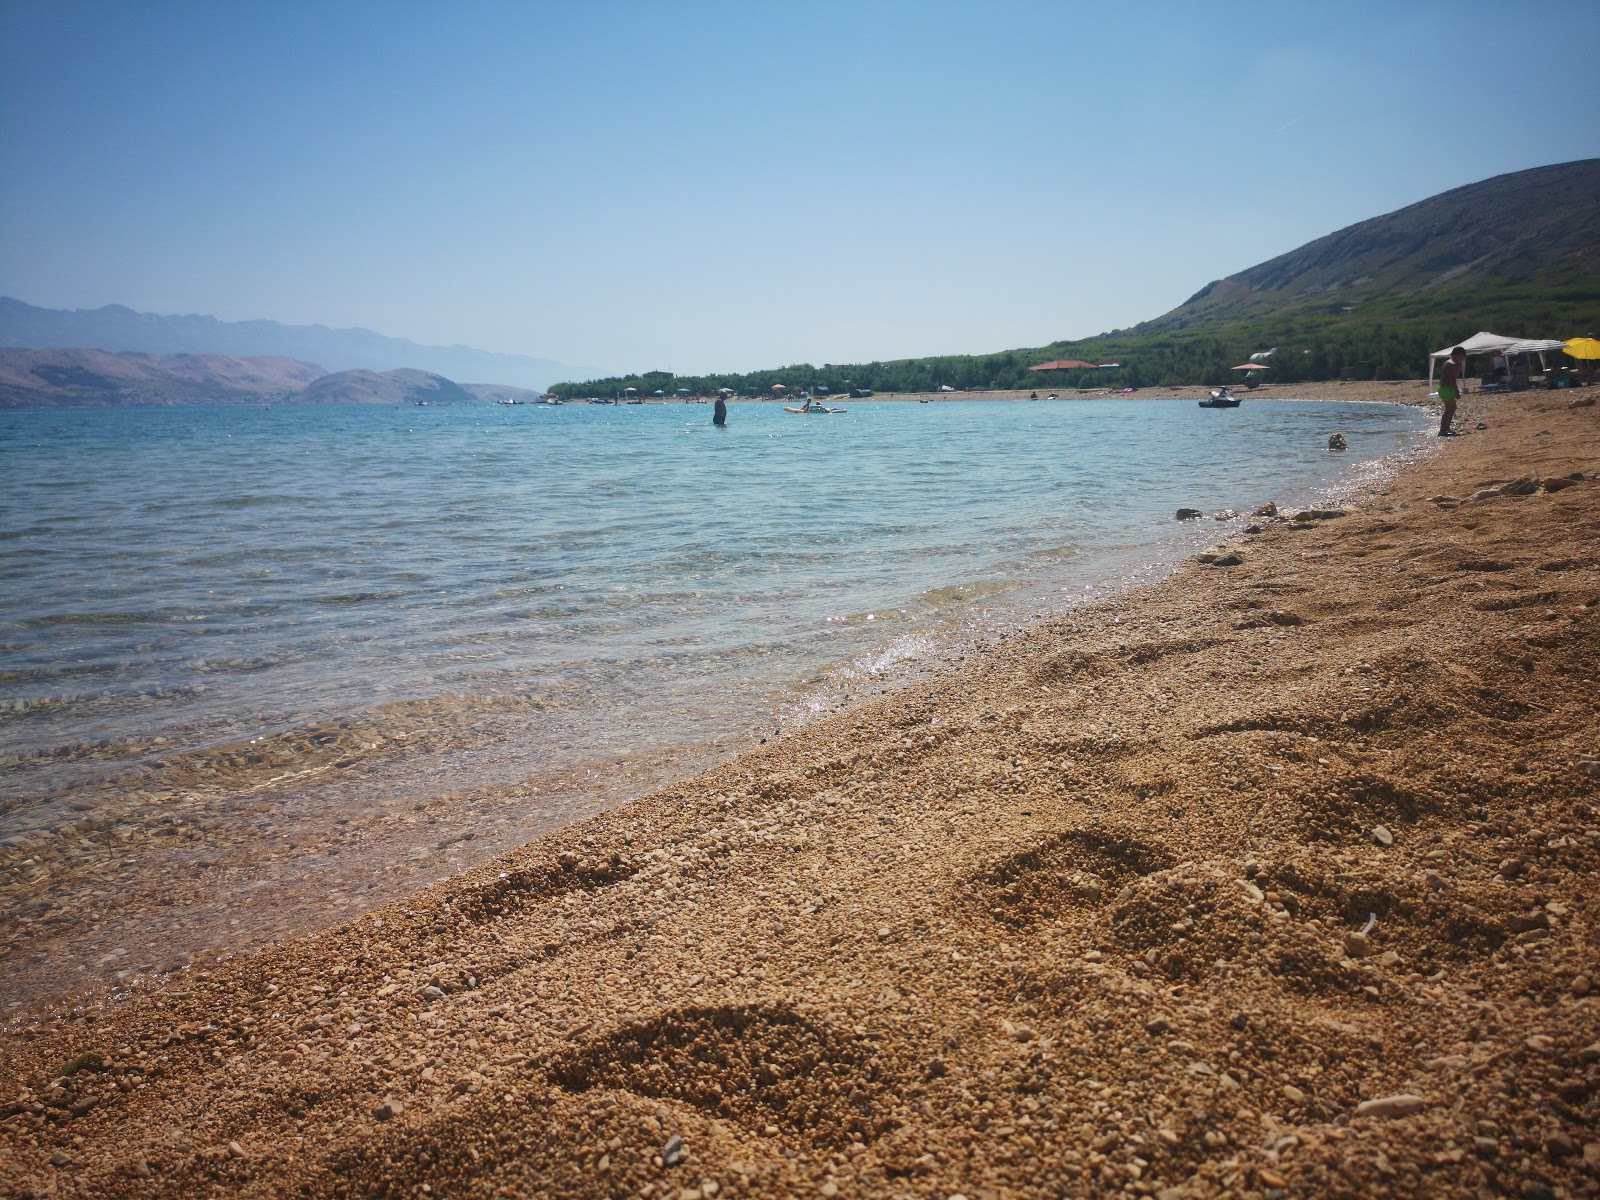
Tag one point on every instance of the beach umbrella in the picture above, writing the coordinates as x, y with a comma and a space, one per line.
778, 387
1062, 364
1584, 347
1251, 367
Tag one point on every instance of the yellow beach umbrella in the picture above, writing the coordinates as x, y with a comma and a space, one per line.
1584, 347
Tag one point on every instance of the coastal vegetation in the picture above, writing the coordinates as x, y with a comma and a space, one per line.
1513, 254
1382, 339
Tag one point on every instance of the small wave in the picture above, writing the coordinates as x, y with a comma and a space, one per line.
348, 598
251, 501
106, 618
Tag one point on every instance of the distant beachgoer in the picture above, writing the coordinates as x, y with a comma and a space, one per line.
1499, 371
1449, 389
719, 414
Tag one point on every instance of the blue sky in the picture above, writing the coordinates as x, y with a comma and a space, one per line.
703, 186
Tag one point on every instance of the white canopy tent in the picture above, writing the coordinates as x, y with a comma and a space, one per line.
1484, 342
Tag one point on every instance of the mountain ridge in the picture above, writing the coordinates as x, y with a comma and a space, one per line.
80, 377
1538, 224
117, 328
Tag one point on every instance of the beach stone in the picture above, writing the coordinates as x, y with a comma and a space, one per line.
672, 1152
1232, 559
1337, 442
1317, 514
1269, 509
1581, 402
1382, 836
1156, 1026
1282, 616
1189, 514
236, 1150
1401, 1105
1582, 985
389, 1109
1525, 485
84, 1105
1357, 944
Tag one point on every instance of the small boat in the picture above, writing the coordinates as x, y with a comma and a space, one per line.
813, 409
1221, 398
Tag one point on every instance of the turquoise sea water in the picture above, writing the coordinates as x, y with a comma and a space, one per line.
200, 574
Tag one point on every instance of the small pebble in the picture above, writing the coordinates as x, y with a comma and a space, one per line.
1400, 1105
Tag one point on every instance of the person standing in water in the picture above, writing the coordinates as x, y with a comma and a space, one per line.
1450, 388
719, 414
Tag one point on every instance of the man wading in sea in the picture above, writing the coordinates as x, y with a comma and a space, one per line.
719, 413
1449, 389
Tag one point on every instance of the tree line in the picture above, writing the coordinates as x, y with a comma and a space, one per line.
1312, 341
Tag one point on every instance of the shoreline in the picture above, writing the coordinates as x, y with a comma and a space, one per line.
269, 831
1397, 391
1077, 916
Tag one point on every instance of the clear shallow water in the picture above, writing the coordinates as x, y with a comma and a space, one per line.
197, 574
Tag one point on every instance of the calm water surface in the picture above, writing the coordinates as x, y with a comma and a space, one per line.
201, 574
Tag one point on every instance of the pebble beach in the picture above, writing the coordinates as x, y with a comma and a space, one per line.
1269, 879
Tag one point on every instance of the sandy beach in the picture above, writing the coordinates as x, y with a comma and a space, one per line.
1272, 879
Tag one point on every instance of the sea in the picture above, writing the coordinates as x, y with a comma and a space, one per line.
563, 605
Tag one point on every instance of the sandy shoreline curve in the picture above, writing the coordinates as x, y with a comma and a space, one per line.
1268, 879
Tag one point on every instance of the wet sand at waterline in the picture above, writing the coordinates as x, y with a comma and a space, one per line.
1270, 879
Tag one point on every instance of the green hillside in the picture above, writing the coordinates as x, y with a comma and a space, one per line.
1516, 254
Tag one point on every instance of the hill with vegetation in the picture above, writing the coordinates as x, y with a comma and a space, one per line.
1516, 254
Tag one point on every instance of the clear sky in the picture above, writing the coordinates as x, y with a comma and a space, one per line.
705, 186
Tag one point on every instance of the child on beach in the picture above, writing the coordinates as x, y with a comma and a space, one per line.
1449, 389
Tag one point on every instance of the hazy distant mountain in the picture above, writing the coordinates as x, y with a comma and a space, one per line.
401, 387
117, 329
1540, 226
79, 378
